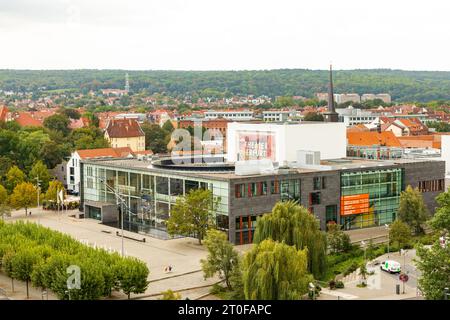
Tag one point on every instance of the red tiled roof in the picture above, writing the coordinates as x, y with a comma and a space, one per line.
124, 128
370, 138
3, 113
25, 119
104, 153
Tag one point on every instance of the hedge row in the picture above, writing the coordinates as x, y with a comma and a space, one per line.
39, 255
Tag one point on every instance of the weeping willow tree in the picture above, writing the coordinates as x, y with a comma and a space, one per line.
275, 271
294, 225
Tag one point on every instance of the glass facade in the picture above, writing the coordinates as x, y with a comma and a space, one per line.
370, 198
148, 195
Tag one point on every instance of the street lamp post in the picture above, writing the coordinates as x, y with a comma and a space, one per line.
122, 203
38, 185
446, 293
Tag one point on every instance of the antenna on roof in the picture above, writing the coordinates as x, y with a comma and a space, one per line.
127, 83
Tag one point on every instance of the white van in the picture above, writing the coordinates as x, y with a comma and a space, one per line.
391, 266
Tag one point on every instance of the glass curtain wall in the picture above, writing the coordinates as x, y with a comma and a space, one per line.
381, 188
148, 197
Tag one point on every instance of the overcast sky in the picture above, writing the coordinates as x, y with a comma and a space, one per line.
224, 34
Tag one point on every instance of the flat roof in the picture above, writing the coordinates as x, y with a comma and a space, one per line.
328, 165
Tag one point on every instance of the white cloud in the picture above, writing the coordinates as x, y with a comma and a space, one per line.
224, 34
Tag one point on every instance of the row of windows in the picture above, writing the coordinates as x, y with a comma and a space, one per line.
432, 185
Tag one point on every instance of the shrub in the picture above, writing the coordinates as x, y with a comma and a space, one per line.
339, 285
34, 253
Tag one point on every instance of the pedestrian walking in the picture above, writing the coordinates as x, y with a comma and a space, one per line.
170, 268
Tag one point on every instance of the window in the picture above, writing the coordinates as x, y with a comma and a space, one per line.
290, 190
275, 187
431, 185
239, 190
319, 183
331, 214
314, 198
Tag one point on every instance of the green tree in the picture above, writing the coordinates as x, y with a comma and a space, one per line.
3, 195
170, 295
193, 214
412, 209
54, 187
24, 196
441, 219
156, 139
434, 265
40, 171
5, 211
400, 233
313, 116
58, 122
70, 113
132, 276
338, 240
275, 271
23, 263
221, 259
14, 177
294, 225
7, 265
168, 126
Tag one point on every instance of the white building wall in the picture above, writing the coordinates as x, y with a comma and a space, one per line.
328, 138
445, 153
74, 162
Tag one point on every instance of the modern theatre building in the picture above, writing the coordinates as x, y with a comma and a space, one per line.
355, 193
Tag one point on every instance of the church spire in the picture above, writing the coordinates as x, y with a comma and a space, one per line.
330, 92
331, 114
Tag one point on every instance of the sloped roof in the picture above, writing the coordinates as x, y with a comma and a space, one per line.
25, 119
3, 113
105, 153
370, 138
124, 128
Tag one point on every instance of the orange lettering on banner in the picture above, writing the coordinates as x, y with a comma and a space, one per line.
355, 204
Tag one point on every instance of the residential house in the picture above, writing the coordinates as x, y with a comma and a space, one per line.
125, 133
73, 165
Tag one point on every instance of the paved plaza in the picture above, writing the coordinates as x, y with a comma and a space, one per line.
183, 254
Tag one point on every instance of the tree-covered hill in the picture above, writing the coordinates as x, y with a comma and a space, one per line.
402, 85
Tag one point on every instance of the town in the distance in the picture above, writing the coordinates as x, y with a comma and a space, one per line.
124, 188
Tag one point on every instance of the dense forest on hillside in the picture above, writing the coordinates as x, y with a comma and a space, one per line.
418, 86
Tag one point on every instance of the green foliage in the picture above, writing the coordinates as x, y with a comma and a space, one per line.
168, 126
434, 265
193, 214
132, 275
24, 196
439, 126
275, 271
294, 225
221, 259
88, 138
33, 253
70, 113
400, 233
14, 177
55, 186
58, 122
441, 219
170, 295
40, 171
412, 209
313, 116
402, 85
156, 139
338, 241
3, 195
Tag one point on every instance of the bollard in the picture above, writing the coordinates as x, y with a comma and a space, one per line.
397, 288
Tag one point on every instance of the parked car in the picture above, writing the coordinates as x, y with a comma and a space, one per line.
391, 266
